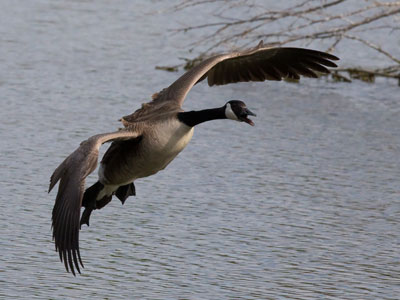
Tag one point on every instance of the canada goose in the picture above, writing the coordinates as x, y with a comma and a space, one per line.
155, 134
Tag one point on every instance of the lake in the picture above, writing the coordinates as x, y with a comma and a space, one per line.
305, 205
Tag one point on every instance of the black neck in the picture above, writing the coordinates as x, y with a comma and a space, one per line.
192, 118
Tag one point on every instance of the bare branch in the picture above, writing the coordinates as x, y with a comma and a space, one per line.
328, 21
373, 46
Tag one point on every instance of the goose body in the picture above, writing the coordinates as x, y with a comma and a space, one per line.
130, 160
127, 161
157, 132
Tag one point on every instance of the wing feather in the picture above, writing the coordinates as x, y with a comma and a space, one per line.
72, 173
273, 72
312, 65
302, 69
257, 64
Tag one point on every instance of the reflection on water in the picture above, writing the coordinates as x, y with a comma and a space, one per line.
305, 205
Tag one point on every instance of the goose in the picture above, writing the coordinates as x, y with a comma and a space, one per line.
156, 133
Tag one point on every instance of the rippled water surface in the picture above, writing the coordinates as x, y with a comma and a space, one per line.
305, 205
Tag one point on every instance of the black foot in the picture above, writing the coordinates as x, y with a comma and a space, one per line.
86, 216
90, 195
124, 191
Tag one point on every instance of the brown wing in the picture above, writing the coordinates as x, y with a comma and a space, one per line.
257, 64
66, 212
155, 110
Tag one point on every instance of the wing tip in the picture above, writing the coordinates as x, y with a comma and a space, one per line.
71, 259
331, 56
326, 55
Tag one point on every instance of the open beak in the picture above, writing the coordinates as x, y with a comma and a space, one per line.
248, 112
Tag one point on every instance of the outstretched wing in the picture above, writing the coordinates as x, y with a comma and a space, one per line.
257, 64
66, 212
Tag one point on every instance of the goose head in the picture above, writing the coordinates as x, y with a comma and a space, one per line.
237, 110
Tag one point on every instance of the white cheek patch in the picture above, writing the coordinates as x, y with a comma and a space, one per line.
229, 113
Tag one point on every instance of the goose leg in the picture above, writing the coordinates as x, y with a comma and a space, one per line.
124, 191
92, 206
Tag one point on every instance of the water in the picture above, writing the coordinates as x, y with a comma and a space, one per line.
303, 206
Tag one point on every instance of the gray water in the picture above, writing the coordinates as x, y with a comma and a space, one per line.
305, 205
